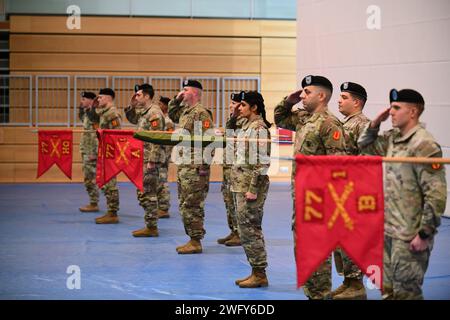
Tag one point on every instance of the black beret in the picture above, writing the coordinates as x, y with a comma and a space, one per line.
252, 97
192, 83
143, 87
164, 100
108, 92
317, 81
88, 94
236, 97
355, 89
406, 95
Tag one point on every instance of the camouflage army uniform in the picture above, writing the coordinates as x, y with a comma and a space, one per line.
163, 189
353, 126
149, 118
249, 174
88, 150
192, 177
415, 198
316, 134
108, 118
228, 159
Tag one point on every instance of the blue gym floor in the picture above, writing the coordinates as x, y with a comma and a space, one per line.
42, 233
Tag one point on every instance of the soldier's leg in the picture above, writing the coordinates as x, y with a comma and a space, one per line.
194, 187
163, 192
149, 201
388, 292
250, 214
408, 270
89, 173
112, 195
318, 286
353, 286
112, 200
229, 207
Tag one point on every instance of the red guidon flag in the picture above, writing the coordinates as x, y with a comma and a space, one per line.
120, 152
55, 146
339, 202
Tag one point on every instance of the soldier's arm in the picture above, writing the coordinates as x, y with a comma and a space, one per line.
332, 136
153, 152
131, 115
431, 178
284, 117
261, 151
175, 109
369, 142
81, 113
115, 122
93, 115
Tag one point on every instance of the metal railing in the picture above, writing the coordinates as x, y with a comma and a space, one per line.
48, 102
16, 100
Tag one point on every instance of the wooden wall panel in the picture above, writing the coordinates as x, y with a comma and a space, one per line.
154, 26
121, 46
134, 44
133, 63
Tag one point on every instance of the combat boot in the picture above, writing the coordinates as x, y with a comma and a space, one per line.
354, 291
243, 279
92, 207
256, 280
108, 218
193, 246
163, 214
341, 288
146, 232
234, 241
223, 240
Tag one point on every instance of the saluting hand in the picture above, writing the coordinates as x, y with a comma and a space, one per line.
95, 102
133, 101
180, 96
294, 97
382, 116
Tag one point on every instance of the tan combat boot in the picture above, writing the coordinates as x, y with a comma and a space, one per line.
108, 218
341, 288
146, 232
92, 207
256, 280
162, 214
354, 291
193, 246
243, 279
223, 240
234, 241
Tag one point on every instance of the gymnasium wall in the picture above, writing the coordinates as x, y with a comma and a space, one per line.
119, 46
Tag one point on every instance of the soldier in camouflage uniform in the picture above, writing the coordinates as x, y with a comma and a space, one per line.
250, 184
351, 103
235, 122
193, 173
163, 189
318, 132
415, 194
148, 116
108, 117
88, 150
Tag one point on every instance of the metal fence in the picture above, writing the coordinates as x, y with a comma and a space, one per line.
52, 100
52, 104
16, 100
